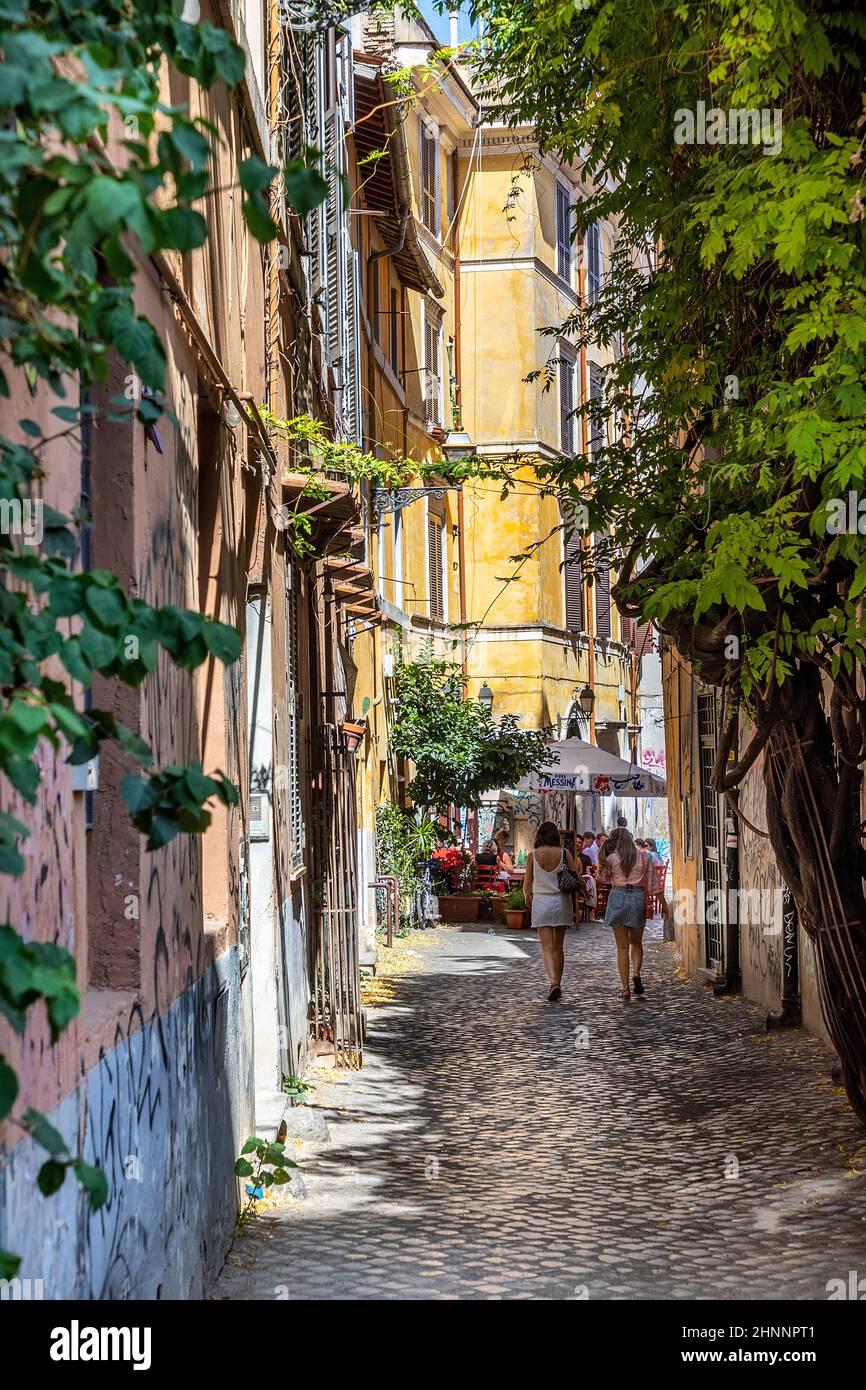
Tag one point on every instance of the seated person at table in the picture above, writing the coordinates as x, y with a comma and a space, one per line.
504, 862
584, 864
488, 854
589, 847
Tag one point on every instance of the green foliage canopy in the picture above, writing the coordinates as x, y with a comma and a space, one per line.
459, 750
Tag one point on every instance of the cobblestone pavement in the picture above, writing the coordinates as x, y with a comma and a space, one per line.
490, 1149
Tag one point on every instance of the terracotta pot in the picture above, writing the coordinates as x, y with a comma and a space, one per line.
516, 917
455, 908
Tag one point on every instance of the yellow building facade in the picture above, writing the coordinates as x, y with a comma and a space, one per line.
465, 255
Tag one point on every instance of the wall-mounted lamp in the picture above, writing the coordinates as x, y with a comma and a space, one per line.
485, 697
586, 700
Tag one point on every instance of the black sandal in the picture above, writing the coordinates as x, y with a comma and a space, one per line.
555, 993
638, 985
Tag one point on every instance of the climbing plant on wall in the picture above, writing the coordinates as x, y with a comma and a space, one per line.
723, 144
67, 211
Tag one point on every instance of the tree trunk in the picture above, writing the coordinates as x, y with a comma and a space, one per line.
813, 816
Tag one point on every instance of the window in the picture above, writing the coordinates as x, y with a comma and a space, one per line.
593, 262
429, 178
563, 233
597, 424
573, 577
393, 331
567, 366
432, 381
436, 564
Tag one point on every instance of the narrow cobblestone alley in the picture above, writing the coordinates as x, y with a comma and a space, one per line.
490, 1148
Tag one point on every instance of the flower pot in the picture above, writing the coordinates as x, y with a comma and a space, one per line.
455, 908
516, 918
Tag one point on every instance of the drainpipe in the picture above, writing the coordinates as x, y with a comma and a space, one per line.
458, 398
588, 606
405, 216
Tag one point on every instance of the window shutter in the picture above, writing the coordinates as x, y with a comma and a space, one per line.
434, 533
602, 601
644, 638
295, 742
334, 247
312, 136
596, 396
352, 416
394, 324
429, 179
573, 576
431, 370
566, 402
593, 262
563, 233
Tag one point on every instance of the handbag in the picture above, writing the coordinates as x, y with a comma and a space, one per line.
567, 881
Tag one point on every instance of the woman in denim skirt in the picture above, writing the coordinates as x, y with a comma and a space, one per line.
627, 870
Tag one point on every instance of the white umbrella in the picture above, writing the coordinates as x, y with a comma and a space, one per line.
582, 767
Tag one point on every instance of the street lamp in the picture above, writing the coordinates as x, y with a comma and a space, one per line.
485, 697
586, 700
457, 445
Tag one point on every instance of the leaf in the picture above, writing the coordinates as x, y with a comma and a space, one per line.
43, 1133
306, 188
8, 1088
255, 174
182, 229
93, 1180
243, 1169
258, 218
222, 641
51, 1177
9, 1264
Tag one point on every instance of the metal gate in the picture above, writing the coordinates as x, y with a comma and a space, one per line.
335, 974
710, 835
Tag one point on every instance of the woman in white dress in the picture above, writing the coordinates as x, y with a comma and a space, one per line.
552, 911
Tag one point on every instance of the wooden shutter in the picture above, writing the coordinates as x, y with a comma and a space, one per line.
434, 534
602, 601
293, 701
596, 396
573, 577
644, 638
374, 299
352, 414
563, 233
429, 179
431, 369
394, 325
593, 262
566, 402
312, 99
334, 246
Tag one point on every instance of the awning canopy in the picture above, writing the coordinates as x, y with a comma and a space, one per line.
576, 766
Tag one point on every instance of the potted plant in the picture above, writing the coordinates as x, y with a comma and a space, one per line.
461, 904
516, 914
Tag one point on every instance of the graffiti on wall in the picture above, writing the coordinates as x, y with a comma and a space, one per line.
759, 874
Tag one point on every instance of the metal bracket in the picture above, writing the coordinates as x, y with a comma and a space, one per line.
394, 501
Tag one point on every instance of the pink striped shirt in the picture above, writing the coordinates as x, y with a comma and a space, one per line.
612, 873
